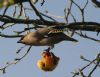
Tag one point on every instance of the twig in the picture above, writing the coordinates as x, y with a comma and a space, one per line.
17, 60
98, 62
42, 2
18, 51
10, 36
77, 73
85, 36
36, 11
97, 3
90, 62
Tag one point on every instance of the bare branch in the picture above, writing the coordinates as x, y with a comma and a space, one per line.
98, 62
90, 62
97, 3
17, 60
85, 36
10, 36
36, 11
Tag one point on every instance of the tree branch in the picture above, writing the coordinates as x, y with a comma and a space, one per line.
97, 3
89, 26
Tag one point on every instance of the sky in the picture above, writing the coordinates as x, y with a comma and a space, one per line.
68, 52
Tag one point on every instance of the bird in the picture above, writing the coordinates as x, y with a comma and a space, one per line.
46, 36
41, 65
48, 62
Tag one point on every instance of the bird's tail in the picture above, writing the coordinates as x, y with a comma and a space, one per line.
72, 39
20, 41
67, 38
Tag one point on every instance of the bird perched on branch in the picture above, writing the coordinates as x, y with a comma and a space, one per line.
47, 36
48, 62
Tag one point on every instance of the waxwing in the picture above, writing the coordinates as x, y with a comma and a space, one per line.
45, 37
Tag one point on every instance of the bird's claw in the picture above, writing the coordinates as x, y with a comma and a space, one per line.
49, 48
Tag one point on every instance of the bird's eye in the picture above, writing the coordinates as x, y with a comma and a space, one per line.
43, 65
44, 56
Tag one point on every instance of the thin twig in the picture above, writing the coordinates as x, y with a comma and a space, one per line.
17, 60
10, 36
36, 11
98, 62
85, 36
